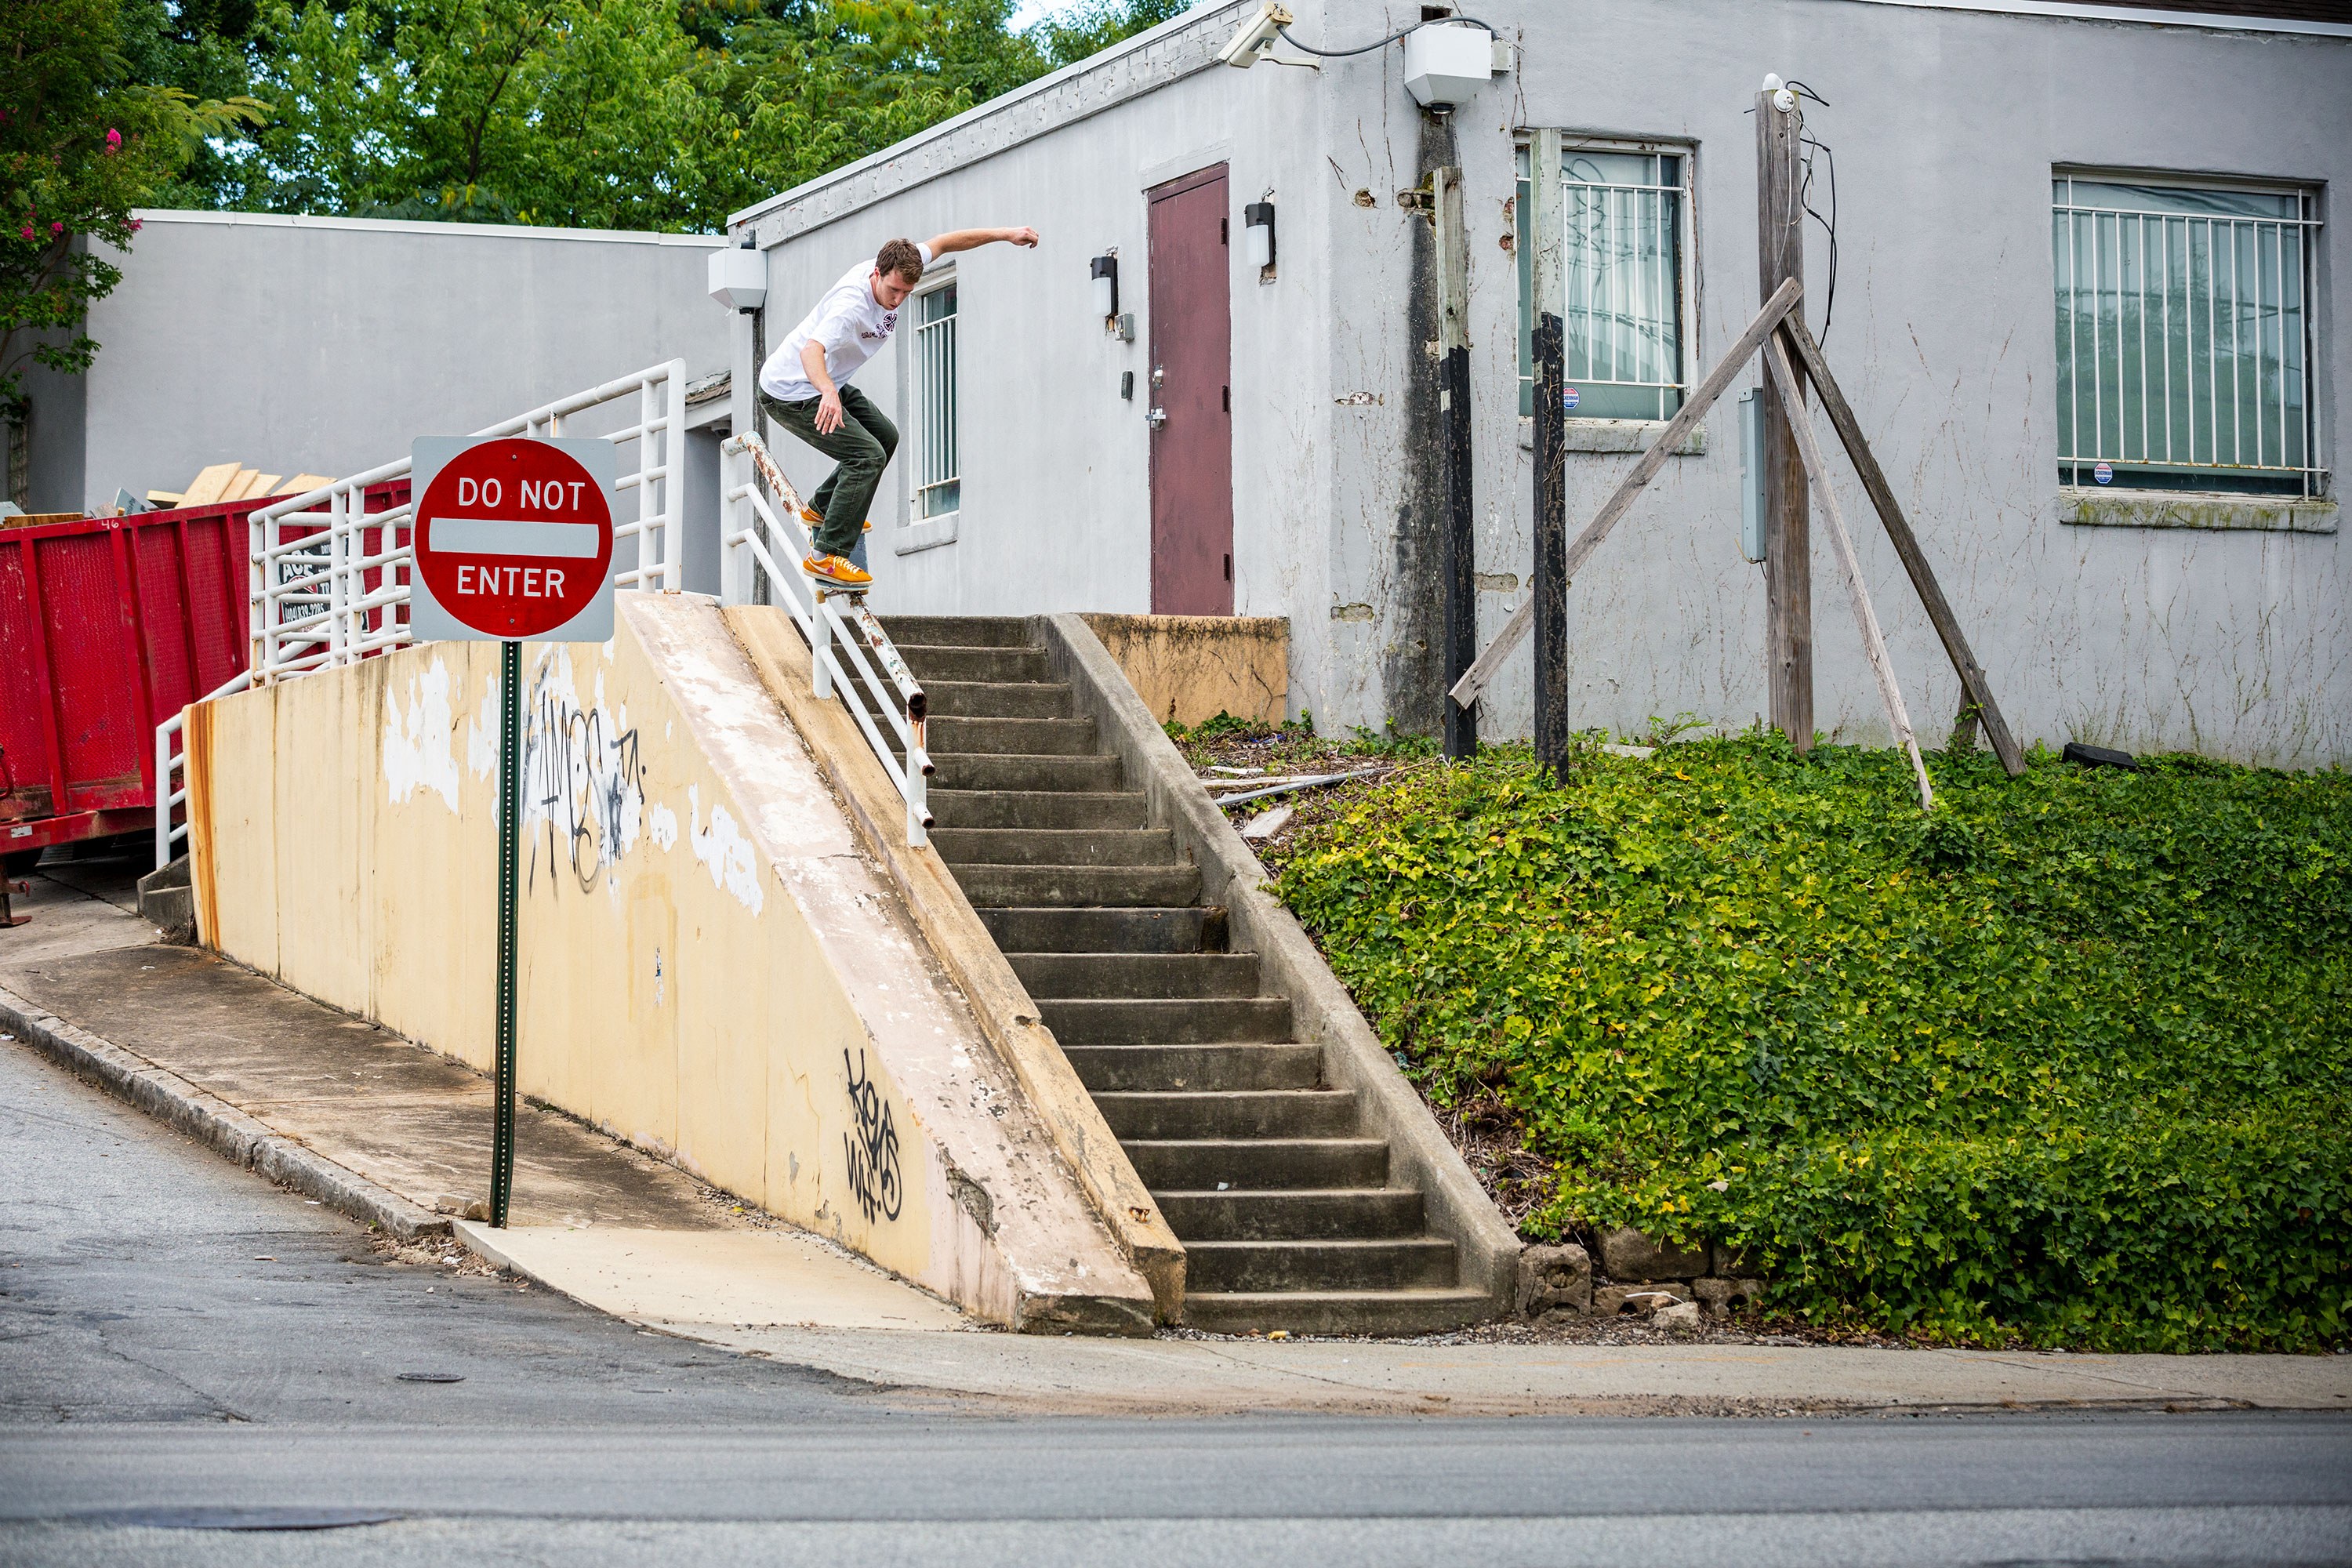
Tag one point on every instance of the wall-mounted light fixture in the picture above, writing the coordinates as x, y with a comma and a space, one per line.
1106, 285
739, 275
1258, 230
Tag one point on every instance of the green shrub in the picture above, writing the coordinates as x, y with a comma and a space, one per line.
2068, 1060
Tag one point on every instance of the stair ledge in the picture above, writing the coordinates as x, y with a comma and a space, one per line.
1008, 1018
1420, 1153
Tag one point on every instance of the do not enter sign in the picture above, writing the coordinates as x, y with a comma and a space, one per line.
513, 539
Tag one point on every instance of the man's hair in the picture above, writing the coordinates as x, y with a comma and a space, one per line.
901, 257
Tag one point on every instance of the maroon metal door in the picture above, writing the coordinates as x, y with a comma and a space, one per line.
1191, 398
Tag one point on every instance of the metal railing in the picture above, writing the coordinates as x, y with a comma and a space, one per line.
170, 766
328, 581
2184, 342
747, 566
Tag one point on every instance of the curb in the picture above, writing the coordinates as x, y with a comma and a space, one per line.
229, 1131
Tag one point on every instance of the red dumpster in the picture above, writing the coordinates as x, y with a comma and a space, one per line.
108, 625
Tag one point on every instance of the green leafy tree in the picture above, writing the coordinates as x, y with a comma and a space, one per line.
577, 112
619, 113
81, 143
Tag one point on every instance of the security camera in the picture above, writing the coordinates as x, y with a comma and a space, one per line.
1257, 37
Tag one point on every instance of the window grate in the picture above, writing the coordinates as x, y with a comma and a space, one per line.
2184, 336
1624, 217
940, 470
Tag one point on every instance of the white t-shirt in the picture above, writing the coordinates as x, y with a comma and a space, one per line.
849, 322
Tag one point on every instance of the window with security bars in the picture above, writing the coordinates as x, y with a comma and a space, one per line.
2184, 336
939, 467
1624, 217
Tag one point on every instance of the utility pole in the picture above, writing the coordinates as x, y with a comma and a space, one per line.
1549, 592
1457, 551
1788, 541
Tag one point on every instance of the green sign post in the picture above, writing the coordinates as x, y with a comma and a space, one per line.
512, 538
509, 875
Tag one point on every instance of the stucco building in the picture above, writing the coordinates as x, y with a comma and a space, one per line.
2066, 235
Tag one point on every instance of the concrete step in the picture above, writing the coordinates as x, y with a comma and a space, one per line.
1128, 887
1425, 1311
1258, 1164
1194, 930
1226, 1066
1055, 845
1360, 1212
1039, 808
1158, 974
1023, 737
988, 698
988, 771
1339, 1263
958, 631
1225, 1113
1099, 1021
976, 664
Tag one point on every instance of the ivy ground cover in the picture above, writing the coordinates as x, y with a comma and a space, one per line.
2068, 1060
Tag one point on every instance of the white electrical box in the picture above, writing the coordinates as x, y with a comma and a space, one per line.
739, 278
1445, 62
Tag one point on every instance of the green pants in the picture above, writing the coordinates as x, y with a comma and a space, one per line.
860, 448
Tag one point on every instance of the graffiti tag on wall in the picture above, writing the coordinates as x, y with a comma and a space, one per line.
583, 777
871, 1146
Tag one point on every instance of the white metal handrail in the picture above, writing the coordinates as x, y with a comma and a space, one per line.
169, 763
823, 625
328, 581
313, 555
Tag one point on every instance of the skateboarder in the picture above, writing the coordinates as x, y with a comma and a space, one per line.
804, 387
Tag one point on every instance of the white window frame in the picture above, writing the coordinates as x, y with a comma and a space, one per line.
923, 413
2089, 232
1686, 241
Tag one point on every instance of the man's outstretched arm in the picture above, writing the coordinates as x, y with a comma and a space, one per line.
958, 239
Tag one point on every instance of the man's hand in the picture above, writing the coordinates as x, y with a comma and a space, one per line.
828, 410
1024, 237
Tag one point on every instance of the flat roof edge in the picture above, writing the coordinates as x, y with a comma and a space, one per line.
1002, 104
2143, 16
405, 225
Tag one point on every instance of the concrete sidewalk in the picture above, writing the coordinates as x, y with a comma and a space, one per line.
628, 1234
400, 1137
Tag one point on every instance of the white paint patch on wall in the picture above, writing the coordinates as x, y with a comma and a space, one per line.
482, 733
726, 851
418, 744
661, 826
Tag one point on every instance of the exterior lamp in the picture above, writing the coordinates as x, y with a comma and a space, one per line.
1258, 230
739, 276
1106, 285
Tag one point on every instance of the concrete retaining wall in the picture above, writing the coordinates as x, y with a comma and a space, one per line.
1193, 668
708, 966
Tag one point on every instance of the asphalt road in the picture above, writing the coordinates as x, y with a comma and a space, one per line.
192, 1364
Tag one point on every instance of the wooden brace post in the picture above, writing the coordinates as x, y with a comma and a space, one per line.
1784, 299
1975, 688
1865, 619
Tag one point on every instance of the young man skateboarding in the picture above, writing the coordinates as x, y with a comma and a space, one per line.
804, 388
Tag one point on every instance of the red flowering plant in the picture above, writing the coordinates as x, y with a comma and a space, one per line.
80, 145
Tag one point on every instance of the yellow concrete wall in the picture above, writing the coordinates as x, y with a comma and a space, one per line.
704, 966
1193, 668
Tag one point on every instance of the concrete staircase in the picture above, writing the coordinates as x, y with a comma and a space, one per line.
1281, 1200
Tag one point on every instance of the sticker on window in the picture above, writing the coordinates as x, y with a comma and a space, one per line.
2104, 473
1568, 397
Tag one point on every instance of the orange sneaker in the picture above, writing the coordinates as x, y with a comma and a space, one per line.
837, 572
814, 518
